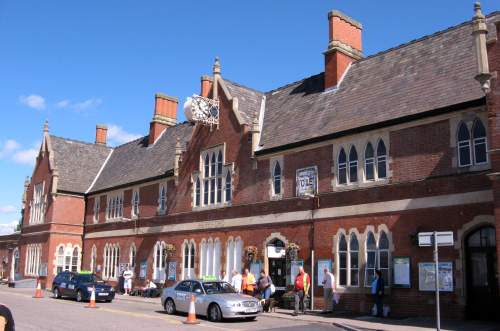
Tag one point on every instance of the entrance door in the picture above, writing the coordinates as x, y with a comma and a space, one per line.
277, 264
482, 275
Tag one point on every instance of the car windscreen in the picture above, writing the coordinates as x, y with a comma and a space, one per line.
218, 288
90, 278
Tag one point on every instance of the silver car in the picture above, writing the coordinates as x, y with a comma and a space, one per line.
214, 299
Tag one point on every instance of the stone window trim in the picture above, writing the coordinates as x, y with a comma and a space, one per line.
273, 162
336, 267
159, 267
33, 260
67, 261
468, 118
111, 261
360, 144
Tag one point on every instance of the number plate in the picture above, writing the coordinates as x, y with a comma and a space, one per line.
102, 294
250, 310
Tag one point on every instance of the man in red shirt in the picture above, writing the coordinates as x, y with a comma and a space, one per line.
301, 290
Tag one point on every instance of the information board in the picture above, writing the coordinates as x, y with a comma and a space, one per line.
172, 270
401, 272
322, 265
426, 274
143, 269
307, 181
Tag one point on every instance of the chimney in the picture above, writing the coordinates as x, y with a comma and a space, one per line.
101, 134
206, 85
165, 116
344, 46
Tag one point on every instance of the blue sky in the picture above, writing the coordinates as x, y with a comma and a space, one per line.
79, 63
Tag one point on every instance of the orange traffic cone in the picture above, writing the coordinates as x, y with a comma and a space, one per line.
38, 291
92, 300
191, 319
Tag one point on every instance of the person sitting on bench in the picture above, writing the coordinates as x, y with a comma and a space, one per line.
150, 289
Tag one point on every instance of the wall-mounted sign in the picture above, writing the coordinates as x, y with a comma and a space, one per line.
322, 265
172, 270
401, 272
201, 109
275, 252
443, 238
306, 181
426, 276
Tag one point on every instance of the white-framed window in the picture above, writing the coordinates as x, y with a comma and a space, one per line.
159, 261
197, 192
37, 210
135, 203
353, 165
93, 259
33, 260
162, 199
212, 184
353, 277
342, 167
132, 256
188, 256
381, 160
377, 257
234, 255
74, 259
479, 142
67, 258
96, 209
463, 150
342, 253
114, 208
228, 190
369, 162
277, 179
210, 256
60, 259
111, 261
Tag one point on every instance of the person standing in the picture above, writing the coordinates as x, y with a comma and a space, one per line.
328, 289
248, 282
301, 290
378, 292
236, 281
223, 276
264, 284
127, 280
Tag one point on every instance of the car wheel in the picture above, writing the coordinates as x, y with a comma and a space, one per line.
56, 292
214, 313
79, 297
169, 306
250, 318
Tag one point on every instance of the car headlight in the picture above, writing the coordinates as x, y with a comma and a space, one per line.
90, 289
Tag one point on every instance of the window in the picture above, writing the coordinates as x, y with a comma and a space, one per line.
135, 204
479, 142
60, 259
96, 209
353, 165
115, 206
377, 257
197, 193
342, 167
464, 152
371, 256
277, 179
111, 261
131, 256
159, 261
383, 256
234, 253
210, 256
93, 259
188, 257
212, 187
162, 199
37, 211
228, 186
353, 260
33, 260
74, 259
342, 260
381, 160
369, 163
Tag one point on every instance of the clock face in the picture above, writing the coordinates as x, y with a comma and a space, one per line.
205, 110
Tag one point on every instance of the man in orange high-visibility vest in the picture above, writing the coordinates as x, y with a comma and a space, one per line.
248, 282
301, 290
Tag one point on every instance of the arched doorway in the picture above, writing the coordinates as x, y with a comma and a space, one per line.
276, 256
482, 274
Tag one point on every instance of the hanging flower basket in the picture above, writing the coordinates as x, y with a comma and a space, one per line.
292, 251
251, 253
169, 250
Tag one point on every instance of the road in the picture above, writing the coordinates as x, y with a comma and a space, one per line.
52, 314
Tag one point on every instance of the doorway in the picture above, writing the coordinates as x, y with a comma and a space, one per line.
277, 263
482, 274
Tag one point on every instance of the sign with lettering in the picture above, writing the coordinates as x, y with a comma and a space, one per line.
172, 270
307, 181
427, 276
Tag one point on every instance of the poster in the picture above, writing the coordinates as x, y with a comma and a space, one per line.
143, 269
322, 265
426, 273
255, 268
307, 181
401, 272
294, 269
172, 270
121, 268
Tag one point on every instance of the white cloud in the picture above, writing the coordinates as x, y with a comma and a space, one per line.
33, 101
26, 156
8, 228
8, 147
116, 135
7, 209
63, 103
12, 150
87, 104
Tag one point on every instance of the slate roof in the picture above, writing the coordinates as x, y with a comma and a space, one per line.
249, 100
136, 161
426, 74
77, 162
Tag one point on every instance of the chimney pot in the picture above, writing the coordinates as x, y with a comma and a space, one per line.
206, 85
101, 134
165, 115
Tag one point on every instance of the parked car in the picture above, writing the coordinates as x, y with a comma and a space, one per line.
80, 285
216, 300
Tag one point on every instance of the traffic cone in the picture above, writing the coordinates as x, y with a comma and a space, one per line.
38, 291
191, 319
92, 300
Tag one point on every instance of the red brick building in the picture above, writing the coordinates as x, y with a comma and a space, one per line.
349, 165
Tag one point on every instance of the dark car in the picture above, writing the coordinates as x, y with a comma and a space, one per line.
80, 285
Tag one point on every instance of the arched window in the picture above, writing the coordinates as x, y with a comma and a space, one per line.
371, 258
131, 256
234, 251
67, 258
111, 261
219, 163
60, 259
342, 260
162, 200
342, 167
205, 192
96, 209
383, 256
353, 165
93, 259
212, 180
197, 193
159, 261
228, 186
277, 179
207, 166
188, 259
74, 259
135, 204
353, 260
381, 160
464, 150
479, 142
369, 162
203, 257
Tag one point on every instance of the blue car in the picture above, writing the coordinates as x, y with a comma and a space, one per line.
80, 285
